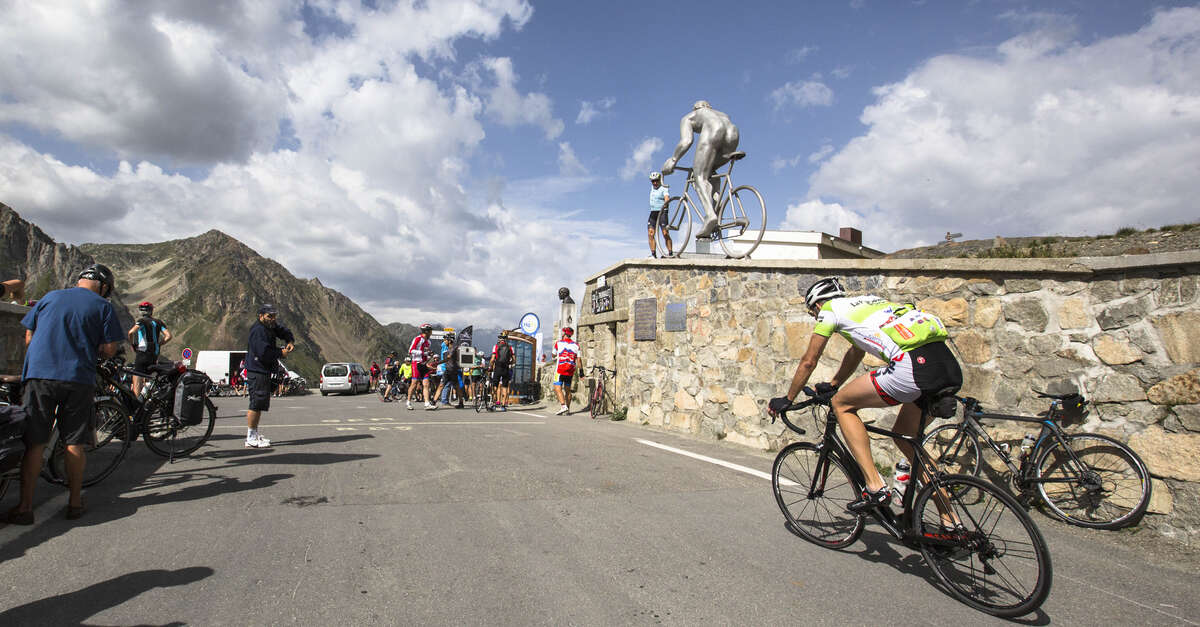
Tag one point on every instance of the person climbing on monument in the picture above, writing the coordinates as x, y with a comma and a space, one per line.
718, 138
659, 195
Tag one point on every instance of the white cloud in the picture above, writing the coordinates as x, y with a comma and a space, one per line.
638, 162
568, 163
797, 55
589, 111
803, 94
1049, 136
382, 148
841, 72
510, 108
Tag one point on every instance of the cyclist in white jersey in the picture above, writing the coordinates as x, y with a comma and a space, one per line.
919, 365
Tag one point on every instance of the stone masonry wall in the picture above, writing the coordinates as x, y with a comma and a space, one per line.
1123, 330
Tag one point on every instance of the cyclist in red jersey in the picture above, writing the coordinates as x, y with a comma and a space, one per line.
421, 353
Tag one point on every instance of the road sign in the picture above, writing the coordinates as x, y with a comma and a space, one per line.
187, 354
530, 323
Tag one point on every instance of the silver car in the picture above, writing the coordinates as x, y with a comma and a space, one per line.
345, 377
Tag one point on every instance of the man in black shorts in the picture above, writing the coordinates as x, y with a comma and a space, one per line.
502, 361
65, 333
659, 195
147, 336
262, 359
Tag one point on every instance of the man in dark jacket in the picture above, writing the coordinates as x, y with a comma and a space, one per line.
262, 359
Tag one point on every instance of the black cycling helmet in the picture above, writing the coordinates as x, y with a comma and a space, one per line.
823, 289
101, 273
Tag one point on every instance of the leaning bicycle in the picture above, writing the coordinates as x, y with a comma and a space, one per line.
165, 428
980, 543
596, 401
1085, 479
741, 215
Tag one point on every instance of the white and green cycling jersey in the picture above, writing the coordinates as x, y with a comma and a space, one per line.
879, 327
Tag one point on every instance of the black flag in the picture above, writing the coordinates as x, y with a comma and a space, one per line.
464, 336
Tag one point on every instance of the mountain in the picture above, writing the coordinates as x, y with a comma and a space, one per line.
27, 253
205, 288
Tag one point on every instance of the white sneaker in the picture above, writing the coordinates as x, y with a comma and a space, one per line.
409, 404
561, 411
258, 442
430, 407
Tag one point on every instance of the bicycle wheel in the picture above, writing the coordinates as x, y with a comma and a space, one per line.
597, 399
1110, 491
679, 227
813, 495
954, 449
998, 561
113, 436
743, 221
167, 436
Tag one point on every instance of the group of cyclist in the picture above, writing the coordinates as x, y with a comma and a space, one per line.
439, 377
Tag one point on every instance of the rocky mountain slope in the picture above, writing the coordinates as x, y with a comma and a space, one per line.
1126, 241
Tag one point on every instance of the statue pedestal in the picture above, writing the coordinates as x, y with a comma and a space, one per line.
707, 248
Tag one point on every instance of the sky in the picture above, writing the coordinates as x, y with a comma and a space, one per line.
460, 160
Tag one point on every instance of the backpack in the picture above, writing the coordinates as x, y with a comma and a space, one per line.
504, 355
12, 430
147, 336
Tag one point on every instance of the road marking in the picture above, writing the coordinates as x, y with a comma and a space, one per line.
712, 460
1128, 600
525, 413
422, 424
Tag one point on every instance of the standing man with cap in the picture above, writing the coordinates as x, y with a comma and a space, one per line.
659, 195
262, 359
65, 332
147, 337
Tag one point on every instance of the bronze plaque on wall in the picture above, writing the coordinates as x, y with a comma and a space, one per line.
645, 318
676, 317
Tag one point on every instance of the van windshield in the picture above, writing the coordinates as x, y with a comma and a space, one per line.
335, 371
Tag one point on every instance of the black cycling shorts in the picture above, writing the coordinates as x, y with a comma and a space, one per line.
657, 218
143, 361
501, 376
259, 388
71, 403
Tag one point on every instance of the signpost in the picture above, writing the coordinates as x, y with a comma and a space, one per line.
187, 356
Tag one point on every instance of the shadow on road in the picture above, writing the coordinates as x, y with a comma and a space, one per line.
330, 439
73, 608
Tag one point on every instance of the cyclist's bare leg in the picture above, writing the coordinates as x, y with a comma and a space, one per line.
666, 240
855, 395
907, 422
137, 386
703, 167
650, 238
76, 459
31, 465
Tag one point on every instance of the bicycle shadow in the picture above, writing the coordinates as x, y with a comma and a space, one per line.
880, 548
73, 608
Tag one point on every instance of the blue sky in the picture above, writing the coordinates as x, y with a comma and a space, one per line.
419, 158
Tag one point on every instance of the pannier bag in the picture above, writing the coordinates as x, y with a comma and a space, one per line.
189, 397
12, 430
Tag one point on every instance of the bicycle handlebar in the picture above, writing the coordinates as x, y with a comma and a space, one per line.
813, 399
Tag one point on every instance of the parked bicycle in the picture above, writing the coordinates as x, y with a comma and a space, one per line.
485, 397
979, 542
1084, 479
167, 429
596, 402
395, 392
741, 215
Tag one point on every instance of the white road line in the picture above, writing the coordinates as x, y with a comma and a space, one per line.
1111, 593
525, 413
423, 424
703, 458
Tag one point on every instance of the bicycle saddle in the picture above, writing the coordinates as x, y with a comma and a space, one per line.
10, 378
734, 156
943, 403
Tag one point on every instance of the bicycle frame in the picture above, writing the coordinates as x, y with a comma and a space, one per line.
719, 204
900, 527
1024, 475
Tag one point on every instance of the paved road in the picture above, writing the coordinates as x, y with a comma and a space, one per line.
366, 513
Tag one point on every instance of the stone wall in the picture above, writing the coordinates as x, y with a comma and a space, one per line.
12, 338
1123, 330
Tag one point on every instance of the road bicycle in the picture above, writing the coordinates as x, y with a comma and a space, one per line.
484, 396
596, 402
1084, 479
741, 215
109, 444
395, 393
980, 543
154, 415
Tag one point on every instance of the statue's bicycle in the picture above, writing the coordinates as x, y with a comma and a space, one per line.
741, 215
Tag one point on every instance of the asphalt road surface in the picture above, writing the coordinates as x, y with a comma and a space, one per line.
365, 513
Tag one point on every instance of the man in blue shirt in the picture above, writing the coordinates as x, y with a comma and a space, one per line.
65, 333
659, 195
262, 360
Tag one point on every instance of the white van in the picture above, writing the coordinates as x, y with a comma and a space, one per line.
344, 377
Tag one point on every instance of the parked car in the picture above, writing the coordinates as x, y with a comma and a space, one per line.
344, 377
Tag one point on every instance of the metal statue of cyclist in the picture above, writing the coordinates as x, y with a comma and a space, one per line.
718, 138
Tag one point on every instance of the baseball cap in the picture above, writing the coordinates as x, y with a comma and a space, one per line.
267, 309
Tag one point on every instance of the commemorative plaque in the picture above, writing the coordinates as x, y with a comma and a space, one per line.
676, 317
602, 299
645, 318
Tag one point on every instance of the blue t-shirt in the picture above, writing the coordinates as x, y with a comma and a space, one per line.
68, 327
658, 197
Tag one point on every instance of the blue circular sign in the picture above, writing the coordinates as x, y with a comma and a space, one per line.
187, 353
530, 323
